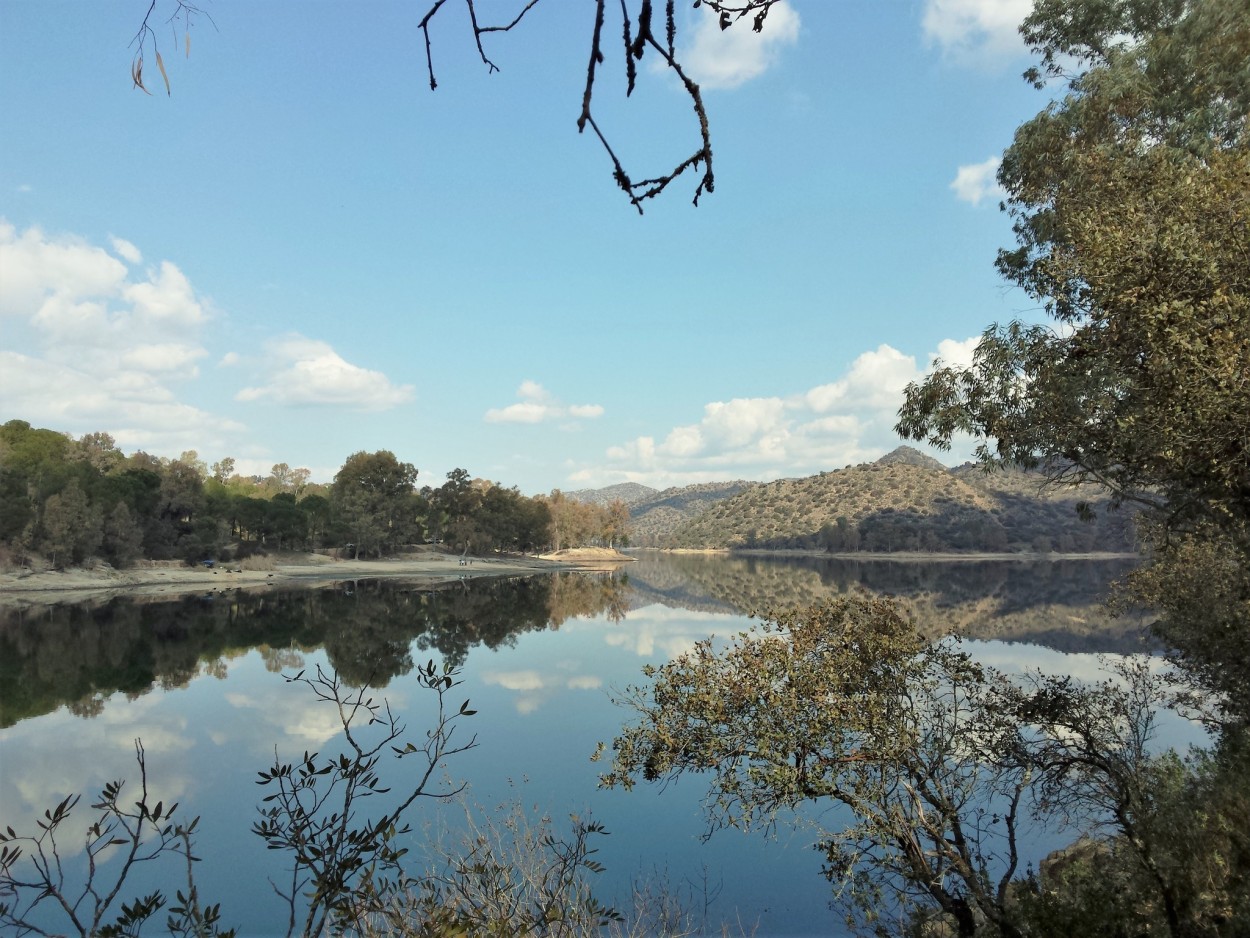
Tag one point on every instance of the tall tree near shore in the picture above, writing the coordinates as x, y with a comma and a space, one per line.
372, 497
122, 542
71, 529
1131, 205
615, 531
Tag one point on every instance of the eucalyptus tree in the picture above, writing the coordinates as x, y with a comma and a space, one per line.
1130, 196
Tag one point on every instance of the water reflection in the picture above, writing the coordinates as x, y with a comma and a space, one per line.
79, 655
1058, 604
196, 679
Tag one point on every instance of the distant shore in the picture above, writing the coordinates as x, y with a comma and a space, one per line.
1021, 557
22, 587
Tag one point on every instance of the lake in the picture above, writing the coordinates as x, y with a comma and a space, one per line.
199, 679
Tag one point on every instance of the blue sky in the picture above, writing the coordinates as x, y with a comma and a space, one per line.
304, 252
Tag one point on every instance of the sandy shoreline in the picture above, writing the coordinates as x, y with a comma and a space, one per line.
171, 578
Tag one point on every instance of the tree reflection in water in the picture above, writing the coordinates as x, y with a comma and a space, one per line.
78, 655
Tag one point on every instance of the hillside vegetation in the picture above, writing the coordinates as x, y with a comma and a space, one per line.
905, 501
653, 520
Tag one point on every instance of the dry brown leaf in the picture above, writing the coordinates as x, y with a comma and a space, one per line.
136, 72
165, 75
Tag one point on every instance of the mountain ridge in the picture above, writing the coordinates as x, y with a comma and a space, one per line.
903, 501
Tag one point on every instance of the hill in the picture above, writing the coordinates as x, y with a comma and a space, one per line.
902, 503
905, 455
631, 493
654, 520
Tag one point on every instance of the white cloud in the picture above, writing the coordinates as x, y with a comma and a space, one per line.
976, 181
308, 372
952, 352
164, 357
727, 58
127, 251
165, 300
970, 29
35, 267
134, 407
537, 405
846, 421
97, 346
875, 382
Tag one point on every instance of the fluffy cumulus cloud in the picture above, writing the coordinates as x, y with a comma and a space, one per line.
308, 372
95, 341
727, 58
846, 421
977, 181
976, 28
537, 405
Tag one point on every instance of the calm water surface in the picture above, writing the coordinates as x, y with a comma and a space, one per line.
200, 681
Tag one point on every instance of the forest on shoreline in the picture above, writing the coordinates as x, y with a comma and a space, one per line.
67, 501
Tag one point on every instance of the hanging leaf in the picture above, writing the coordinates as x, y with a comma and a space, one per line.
188, 43
164, 74
136, 72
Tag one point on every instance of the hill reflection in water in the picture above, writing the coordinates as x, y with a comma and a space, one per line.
1059, 604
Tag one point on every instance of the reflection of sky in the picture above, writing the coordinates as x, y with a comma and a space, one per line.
542, 707
1171, 730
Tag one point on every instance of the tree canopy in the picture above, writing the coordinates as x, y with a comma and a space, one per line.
1131, 201
1130, 196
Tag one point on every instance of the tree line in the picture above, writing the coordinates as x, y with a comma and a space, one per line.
71, 501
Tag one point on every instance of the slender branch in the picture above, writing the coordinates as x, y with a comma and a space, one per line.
635, 44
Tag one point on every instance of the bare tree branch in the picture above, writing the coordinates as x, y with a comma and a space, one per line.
636, 42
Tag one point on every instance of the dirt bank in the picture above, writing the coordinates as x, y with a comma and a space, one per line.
25, 587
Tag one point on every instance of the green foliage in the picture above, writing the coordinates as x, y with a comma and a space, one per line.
576, 523
122, 538
1132, 217
73, 501
1131, 205
1181, 864
947, 769
1200, 586
373, 496
844, 701
71, 530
